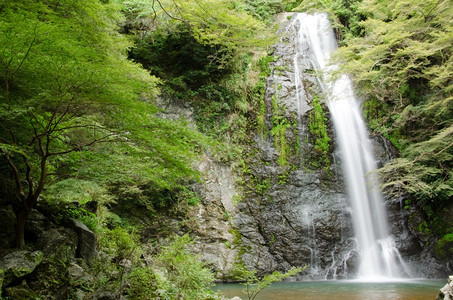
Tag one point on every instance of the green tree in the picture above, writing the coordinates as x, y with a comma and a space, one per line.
254, 285
214, 22
67, 88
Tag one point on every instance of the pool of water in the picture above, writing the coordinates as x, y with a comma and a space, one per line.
341, 289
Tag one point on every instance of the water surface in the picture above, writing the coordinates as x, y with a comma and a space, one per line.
341, 289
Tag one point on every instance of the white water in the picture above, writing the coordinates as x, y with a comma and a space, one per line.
379, 258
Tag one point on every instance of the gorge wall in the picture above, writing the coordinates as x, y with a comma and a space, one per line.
292, 208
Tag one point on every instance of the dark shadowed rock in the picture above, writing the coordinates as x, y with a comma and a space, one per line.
7, 227
36, 224
58, 244
20, 292
86, 247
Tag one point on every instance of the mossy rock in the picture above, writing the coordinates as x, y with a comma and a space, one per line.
19, 264
51, 279
58, 245
20, 292
444, 247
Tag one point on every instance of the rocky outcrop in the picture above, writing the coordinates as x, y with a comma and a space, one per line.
86, 246
215, 236
446, 293
294, 214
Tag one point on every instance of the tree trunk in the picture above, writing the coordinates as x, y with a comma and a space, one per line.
20, 232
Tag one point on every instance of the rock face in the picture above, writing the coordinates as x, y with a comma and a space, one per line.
86, 247
215, 239
297, 214
294, 214
58, 244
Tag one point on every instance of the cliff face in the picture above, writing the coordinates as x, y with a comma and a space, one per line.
293, 209
295, 212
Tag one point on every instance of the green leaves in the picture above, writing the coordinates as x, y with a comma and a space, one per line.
73, 107
318, 132
254, 285
402, 63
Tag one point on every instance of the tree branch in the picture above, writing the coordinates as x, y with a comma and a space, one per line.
101, 140
28, 51
16, 176
168, 14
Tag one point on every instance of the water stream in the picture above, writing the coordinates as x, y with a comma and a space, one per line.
379, 258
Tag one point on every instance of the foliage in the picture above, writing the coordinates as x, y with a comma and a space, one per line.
143, 284
266, 10
318, 134
185, 275
444, 247
68, 89
279, 126
254, 285
120, 243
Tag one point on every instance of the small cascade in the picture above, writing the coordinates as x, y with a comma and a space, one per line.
379, 257
311, 235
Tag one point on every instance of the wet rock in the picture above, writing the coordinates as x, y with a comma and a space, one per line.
446, 293
19, 264
7, 227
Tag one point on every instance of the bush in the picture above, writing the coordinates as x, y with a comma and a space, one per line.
142, 284
185, 276
120, 243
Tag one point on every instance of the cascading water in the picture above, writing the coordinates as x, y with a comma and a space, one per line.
379, 257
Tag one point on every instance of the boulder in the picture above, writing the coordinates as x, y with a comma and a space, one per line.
446, 293
36, 224
19, 264
58, 245
7, 227
21, 292
78, 277
86, 247
51, 279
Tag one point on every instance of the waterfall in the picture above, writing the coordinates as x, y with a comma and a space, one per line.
379, 257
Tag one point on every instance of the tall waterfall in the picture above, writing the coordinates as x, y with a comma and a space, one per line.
379, 257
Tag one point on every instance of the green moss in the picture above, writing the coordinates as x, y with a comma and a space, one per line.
444, 247
318, 136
